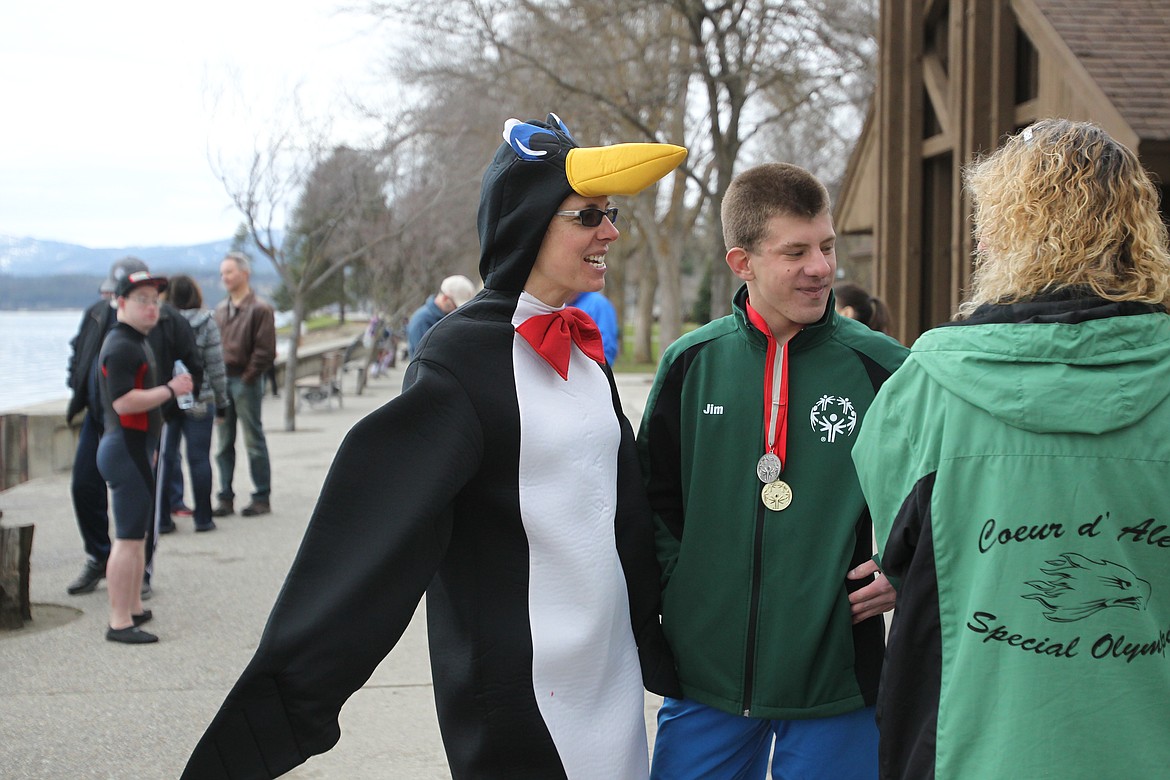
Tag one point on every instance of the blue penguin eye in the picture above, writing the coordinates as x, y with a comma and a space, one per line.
530, 142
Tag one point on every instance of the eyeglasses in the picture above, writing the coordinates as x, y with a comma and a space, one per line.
591, 217
142, 300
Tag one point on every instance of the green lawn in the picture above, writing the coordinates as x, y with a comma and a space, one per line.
625, 362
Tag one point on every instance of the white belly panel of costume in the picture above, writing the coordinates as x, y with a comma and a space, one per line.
585, 669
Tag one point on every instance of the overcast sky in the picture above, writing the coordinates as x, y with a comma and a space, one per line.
108, 111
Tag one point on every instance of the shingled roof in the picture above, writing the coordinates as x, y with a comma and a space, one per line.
1123, 46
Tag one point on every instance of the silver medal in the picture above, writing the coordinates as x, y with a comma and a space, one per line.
768, 468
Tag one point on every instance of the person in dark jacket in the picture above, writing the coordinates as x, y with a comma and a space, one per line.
197, 422
171, 339
504, 482
247, 330
453, 293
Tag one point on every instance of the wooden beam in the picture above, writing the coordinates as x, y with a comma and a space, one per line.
936, 145
898, 232
938, 89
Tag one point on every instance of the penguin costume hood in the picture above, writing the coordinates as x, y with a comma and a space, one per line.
506, 489
534, 170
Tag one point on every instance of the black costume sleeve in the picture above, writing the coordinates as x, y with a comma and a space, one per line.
661, 456
375, 539
634, 532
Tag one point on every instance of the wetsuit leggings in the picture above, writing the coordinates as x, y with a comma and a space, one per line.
123, 459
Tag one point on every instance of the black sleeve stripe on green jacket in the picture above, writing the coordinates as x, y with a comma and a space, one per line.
878, 374
662, 485
910, 689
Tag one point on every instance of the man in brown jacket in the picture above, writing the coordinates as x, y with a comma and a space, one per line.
248, 329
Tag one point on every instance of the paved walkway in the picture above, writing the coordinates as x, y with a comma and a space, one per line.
73, 705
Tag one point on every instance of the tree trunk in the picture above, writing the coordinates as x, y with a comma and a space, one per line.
720, 284
290, 364
644, 322
670, 316
15, 552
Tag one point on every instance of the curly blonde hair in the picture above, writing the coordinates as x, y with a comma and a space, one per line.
1061, 204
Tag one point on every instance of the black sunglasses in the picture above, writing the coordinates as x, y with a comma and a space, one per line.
591, 217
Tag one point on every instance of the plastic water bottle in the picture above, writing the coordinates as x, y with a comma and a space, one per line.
186, 400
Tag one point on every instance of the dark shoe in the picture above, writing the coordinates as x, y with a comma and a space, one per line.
209, 527
256, 508
224, 509
147, 592
182, 511
131, 635
92, 573
167, 527
143, 617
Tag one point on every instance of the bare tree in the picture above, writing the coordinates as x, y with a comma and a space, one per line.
522, 55
339, 216
434, 194
760, 65
728, 79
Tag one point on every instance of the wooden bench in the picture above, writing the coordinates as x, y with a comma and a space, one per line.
357, 360
324, 387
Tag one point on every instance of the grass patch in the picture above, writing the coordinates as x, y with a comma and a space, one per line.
625, 361
319, 322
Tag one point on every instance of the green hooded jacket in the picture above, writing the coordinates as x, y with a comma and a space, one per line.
755, 602
1018, 471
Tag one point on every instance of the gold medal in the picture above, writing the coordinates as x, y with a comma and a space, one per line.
776, 495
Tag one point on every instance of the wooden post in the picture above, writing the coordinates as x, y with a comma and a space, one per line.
15, 551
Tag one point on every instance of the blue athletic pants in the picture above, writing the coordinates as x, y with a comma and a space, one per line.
697, 741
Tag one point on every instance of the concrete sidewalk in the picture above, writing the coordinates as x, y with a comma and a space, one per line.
73, 705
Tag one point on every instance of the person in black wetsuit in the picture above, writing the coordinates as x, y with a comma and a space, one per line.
131, 397
170, 339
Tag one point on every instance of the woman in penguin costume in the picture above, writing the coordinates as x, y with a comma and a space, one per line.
504, 483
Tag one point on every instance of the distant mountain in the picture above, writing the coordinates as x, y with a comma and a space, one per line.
36, 274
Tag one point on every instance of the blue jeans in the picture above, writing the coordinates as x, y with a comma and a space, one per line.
695, 741
88, 488
245, 408
197, 432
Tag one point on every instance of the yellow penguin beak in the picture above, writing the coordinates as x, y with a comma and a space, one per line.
621, 169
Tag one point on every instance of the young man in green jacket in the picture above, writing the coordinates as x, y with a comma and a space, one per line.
770, 600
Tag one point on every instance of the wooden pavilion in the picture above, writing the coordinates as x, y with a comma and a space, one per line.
956, 76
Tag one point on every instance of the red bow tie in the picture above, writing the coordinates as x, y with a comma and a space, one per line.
551, 336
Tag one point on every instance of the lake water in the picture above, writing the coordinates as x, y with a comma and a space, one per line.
34, 353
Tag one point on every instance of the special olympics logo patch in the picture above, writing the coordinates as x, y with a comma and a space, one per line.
833, 416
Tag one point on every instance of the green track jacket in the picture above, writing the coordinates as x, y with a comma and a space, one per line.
755, 604
1018, 471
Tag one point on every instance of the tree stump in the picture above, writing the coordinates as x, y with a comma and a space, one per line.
15, 551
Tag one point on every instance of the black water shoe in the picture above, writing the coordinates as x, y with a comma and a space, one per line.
131, 635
